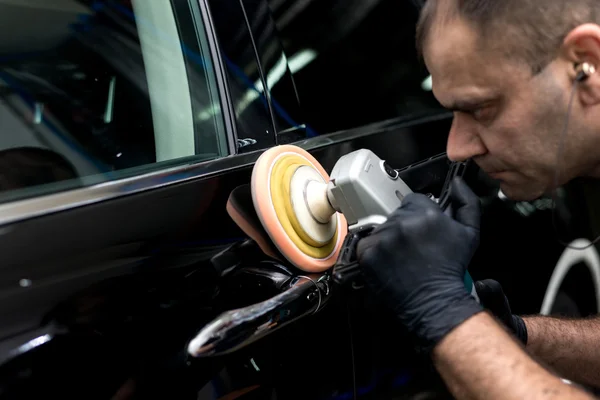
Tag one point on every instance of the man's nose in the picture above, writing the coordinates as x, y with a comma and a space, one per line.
463, 141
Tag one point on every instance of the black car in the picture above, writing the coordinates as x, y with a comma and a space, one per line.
124, 127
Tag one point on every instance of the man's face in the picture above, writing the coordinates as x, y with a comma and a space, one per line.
507, 120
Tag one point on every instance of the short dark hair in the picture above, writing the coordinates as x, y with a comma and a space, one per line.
531, 30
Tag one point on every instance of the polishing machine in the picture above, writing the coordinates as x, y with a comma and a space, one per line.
313, 218
314, 221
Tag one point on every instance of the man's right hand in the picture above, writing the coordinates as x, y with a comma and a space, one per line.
416, 261
492, 297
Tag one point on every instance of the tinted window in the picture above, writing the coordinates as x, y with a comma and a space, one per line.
354, 61
255, 128
274, 62
92, 91
263, 94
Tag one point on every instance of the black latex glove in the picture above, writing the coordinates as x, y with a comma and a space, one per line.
492, 297
415, 263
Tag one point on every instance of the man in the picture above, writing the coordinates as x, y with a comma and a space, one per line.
509, 70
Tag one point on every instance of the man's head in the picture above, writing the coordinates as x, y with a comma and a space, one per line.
506, 68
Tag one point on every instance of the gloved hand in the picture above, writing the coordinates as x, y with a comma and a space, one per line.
492, 298
415, 263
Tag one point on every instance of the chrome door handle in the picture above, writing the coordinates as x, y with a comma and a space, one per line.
235, 329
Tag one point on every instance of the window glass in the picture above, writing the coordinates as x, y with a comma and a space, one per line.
275, 64
354, 61
255, 127
92, 91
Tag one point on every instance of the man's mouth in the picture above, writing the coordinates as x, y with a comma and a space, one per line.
488, 166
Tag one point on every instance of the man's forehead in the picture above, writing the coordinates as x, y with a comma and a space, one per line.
461, 67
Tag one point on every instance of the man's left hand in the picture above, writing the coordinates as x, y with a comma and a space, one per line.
492, 297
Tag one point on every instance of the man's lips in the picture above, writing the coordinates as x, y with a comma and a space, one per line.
493, 169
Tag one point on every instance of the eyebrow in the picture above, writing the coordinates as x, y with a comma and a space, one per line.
468, 105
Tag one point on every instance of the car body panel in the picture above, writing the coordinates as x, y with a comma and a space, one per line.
117, 265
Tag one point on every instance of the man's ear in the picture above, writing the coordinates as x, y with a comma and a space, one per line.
582, 45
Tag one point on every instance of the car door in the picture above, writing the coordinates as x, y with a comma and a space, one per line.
124, 127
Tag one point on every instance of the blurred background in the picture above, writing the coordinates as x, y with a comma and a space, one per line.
354, 61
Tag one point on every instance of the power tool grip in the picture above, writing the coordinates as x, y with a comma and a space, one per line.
347, 269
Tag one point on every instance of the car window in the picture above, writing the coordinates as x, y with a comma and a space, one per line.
275, 64
255, 126
93, 91
261, 87
354, 62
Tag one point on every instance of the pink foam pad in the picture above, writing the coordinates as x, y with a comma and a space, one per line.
261, 196
241, 210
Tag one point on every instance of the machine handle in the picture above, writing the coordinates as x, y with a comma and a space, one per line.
346, 269
238, 328
456, 169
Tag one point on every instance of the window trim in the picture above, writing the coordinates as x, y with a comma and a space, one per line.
201, 12
20, 210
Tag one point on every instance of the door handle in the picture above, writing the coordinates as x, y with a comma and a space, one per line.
235, 329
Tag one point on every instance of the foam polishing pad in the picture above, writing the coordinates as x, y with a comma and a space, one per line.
280, 181
241, 210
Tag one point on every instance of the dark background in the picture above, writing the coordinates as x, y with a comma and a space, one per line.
366, 69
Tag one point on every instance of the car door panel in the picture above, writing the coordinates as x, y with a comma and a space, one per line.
139, 249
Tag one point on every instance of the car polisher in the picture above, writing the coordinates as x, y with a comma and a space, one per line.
316, 220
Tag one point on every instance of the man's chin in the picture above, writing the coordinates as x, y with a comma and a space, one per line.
521, 192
